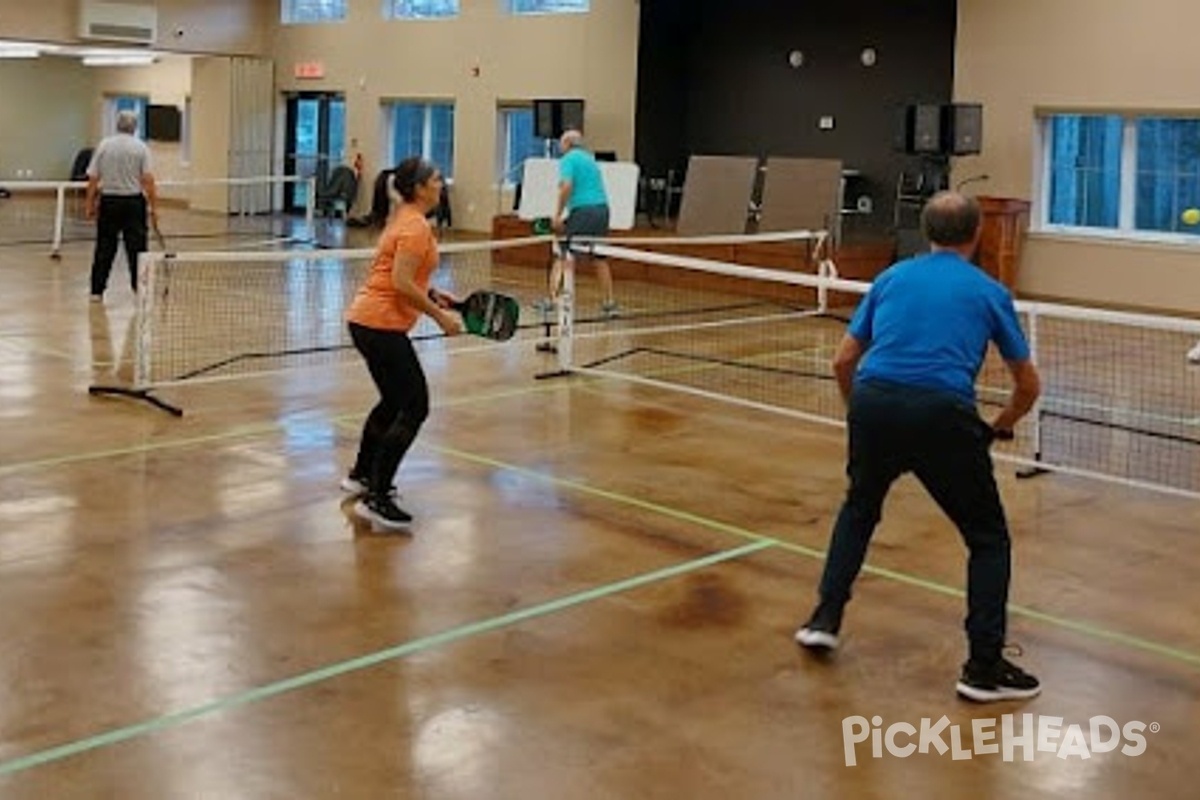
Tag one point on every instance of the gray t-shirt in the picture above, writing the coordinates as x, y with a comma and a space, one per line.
119, 163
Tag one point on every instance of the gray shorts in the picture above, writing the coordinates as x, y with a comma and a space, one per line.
589, 221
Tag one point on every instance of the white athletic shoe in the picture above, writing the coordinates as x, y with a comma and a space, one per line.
1193, 355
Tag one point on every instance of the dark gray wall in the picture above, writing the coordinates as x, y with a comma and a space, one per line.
714, 79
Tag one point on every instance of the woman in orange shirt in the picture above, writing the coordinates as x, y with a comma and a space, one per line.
383, 312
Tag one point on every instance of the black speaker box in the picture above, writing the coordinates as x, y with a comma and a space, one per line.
962, 129
928, 129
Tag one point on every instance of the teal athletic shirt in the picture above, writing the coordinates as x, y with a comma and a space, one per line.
587, 184
927, 322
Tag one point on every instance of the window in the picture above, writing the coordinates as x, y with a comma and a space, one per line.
548, 6
423, 9
1130, 175
515, 143
424, 129
303, 11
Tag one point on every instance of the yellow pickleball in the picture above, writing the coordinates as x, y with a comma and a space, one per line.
1191, 216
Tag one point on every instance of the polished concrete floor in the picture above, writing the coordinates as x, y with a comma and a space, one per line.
596, 601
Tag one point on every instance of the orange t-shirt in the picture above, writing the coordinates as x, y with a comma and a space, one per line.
378, 304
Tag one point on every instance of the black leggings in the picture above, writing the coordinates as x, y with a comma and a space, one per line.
395, 420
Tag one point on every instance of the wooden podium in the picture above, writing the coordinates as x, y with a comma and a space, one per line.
1005, 220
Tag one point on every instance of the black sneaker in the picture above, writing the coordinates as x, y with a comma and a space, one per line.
999, 680
382, 513
820, 633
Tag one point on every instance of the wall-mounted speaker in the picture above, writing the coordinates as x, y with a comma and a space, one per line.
927, 129
552, 117
962, 129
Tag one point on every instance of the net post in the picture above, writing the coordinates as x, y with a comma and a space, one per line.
564, 309
310, 208
60, 212
1035, 418
147, 291
566, 316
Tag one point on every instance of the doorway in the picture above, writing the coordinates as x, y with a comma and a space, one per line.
315, 142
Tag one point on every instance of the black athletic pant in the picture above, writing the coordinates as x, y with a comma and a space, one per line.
394, 422
124, 217
941, 439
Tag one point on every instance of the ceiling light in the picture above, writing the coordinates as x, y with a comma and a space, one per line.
18, 50
130, 60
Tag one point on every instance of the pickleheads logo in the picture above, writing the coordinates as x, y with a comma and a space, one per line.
1008, 736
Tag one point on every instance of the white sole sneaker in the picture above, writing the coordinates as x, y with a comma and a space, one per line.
379, 523
1193, 355
982, 695
816, 640
353, 486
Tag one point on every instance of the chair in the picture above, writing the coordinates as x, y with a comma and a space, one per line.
79, 173
336, 195
80, 164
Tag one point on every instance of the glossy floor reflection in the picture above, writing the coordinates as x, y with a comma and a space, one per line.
204, 576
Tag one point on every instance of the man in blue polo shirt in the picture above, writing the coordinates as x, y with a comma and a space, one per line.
907, 370
583, 200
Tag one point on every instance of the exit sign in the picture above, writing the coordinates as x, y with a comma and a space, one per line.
309, 69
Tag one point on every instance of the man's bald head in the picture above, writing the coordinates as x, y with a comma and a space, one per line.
950, 219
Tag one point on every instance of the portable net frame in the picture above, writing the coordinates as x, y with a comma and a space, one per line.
204, 317
52, 212
1119, 400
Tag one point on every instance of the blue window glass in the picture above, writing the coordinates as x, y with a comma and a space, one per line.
1168, 173
1085, 170
424, 9
306, 11
548, 6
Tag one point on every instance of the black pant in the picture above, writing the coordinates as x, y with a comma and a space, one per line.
396, 419
124, 217
941, 439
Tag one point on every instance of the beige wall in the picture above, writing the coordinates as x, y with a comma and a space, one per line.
167, 82
45, 116
211, 87
234, 27
592, 55
1016, 56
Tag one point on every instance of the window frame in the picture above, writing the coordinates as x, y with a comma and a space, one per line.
390, 13
287, 14
428, 105
511, 7
1125, 230
505, 177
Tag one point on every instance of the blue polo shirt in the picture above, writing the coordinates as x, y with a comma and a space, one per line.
587, 184
927, 322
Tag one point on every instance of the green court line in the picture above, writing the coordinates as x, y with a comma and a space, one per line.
1066, 623
137, 449
256, 694
243, 432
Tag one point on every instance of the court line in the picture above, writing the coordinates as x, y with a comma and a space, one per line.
244, 432
454, 634
897, 576
1096, 632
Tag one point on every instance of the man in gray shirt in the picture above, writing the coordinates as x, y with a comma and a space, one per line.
120, 184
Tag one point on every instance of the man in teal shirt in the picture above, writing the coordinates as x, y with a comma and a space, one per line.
584, 201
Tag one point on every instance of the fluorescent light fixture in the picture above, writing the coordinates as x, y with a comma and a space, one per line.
19, 50
129, 60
